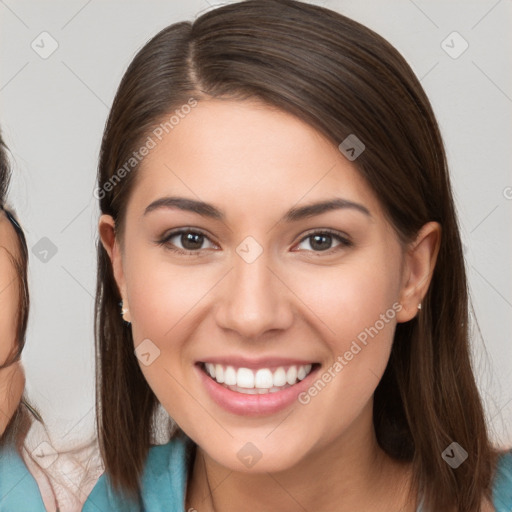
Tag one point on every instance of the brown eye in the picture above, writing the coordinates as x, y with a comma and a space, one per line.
191, 241
321, 241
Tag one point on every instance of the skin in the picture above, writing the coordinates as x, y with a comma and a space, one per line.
12, 378
295, 300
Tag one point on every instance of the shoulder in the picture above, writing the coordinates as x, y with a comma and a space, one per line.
168, 456
18, 488
165, 476
502, 485
163, 482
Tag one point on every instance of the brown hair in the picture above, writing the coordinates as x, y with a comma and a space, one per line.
342, 78
19, 423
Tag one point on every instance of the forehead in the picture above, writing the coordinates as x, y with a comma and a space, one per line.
247, 156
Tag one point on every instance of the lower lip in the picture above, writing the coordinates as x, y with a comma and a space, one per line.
254, 405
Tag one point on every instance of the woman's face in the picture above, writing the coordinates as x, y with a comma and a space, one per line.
264, 290
12, 378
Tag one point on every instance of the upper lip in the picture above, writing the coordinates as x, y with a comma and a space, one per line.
265, 362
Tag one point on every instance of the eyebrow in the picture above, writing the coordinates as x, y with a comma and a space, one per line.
294, 214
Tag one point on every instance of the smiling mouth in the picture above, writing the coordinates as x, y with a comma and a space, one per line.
257, 382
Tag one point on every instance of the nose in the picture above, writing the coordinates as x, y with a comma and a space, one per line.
254, 298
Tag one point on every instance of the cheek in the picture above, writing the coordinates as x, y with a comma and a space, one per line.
162, 295
353, 307
346, 299
162, 298
357, 317
12, 384
166, 301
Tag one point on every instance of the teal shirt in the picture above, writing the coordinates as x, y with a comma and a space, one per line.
164, 482
18, 489
502, 489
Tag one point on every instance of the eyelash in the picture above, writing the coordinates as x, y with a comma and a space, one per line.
344, 241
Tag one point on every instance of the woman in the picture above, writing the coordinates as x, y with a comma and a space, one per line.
18, 489
13, 310
298, 376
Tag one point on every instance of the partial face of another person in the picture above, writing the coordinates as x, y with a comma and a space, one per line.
12, 378
259, 294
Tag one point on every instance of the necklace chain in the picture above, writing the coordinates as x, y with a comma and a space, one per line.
208, 482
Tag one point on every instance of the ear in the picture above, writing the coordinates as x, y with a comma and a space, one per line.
106, 228
419, 264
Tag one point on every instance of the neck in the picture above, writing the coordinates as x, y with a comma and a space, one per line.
350, 473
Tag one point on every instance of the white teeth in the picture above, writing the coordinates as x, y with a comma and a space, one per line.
263, 379
245, 378
260, 381
291, 375
254, 391
230, 376
303, 371
210, 368
279, 377
219, 373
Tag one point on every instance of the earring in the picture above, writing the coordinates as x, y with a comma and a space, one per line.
123, 312
419, 305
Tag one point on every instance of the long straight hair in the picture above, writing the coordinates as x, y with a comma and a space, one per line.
341, 78
18, 425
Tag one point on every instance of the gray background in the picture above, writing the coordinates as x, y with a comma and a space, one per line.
53, 111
